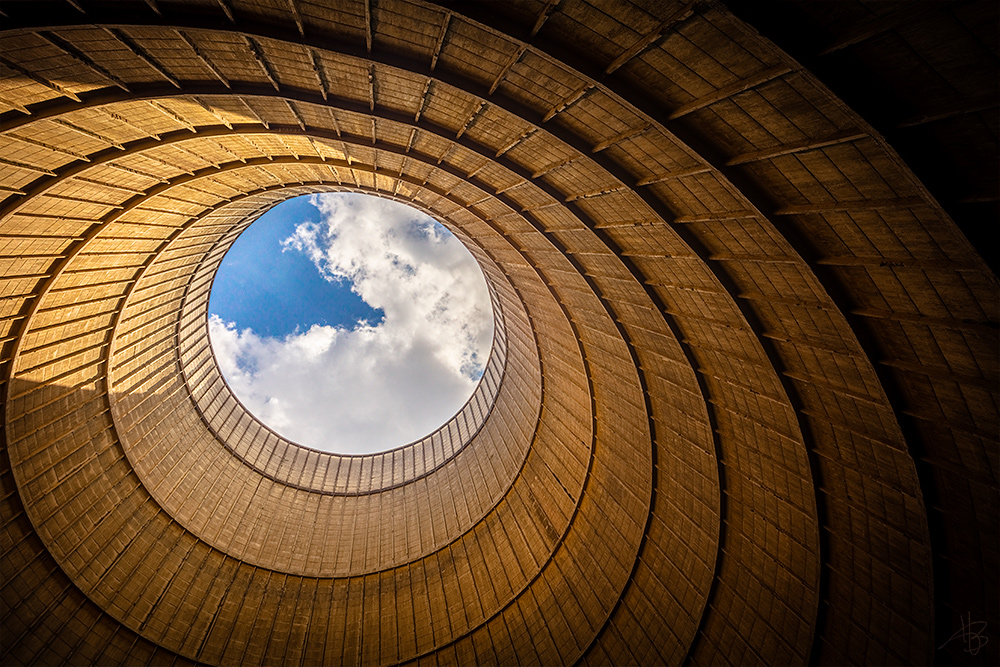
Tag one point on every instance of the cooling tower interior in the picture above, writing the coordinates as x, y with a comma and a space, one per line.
742, 403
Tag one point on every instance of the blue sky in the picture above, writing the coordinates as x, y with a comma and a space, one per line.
274, 292
350, 323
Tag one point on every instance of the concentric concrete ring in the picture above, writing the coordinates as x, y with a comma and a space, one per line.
741, 406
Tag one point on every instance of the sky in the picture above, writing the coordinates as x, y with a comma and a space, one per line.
350, 323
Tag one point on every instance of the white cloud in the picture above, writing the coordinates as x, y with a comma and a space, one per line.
377, 386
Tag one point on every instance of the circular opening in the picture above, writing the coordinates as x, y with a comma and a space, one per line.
350, 323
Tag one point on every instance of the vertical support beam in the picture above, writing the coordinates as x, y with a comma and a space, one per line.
577, 95
14, 105
295, 112
80, 57
527, 133
257, 148
333, 118
544, 16
56, 88
680, 173
228, 12
230, 151
621, 136
552, 167
86, 133
124, 121
796, 147
733, 89
440, 42
472, 119
423, 100
170, 114
476, 171
368, 26
881, 24
42, 144
168, 164
447, 152
653, 36
204, 105
187, 151
318, 71
510, 63
287, 146
142, 55
298, 17
253, 112
113, 186
203, 58
258, 56
315, 147
138, 172
28, 167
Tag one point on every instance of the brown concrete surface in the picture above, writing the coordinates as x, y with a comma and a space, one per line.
743, 403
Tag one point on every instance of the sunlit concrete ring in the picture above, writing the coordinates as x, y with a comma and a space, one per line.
373, 472
142, 344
